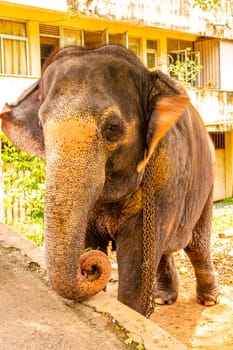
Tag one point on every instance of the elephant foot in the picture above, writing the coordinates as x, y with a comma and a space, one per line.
165, 297
166, 281
208, 296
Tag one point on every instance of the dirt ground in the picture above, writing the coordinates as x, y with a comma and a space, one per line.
194, 325
197, 326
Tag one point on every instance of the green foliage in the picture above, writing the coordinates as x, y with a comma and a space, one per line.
128, 341
206, 5
185, 72
227, 201
222, 219
24, 184
140, 347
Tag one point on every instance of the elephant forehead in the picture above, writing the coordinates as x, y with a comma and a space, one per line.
68, 133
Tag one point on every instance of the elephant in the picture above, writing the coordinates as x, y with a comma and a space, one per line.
128, 160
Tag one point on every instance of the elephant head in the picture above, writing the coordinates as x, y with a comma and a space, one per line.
96, 116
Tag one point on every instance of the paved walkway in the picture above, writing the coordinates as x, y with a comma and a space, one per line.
32, 317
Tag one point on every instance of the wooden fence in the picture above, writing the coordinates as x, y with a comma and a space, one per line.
20, 200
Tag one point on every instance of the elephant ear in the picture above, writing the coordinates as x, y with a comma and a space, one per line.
167, 104
20, 122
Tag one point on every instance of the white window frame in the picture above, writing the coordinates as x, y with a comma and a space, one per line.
14, 37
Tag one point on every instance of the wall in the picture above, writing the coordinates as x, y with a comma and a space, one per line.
34, 16
226, 61
209, 56
11, 88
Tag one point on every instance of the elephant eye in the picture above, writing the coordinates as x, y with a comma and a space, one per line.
113, 128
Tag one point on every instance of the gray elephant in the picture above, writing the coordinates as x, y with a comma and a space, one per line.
128, 159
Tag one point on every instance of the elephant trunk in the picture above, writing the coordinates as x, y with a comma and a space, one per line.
74, 180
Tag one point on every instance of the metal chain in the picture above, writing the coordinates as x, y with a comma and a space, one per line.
149, 240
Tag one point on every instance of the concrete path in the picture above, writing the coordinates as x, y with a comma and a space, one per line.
32, 317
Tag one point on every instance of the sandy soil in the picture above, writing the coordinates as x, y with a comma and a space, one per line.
200, 327
194, 325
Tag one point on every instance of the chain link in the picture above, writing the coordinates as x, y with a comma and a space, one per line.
149, 239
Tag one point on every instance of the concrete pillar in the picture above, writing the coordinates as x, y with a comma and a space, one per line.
1, 184
34, 48
162, 53
229, 163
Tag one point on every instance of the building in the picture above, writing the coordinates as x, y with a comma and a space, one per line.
159, 32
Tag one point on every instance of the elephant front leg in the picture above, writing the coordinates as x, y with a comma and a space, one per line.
129, 257
166, 281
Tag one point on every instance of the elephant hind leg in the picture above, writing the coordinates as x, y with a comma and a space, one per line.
199, 254
166, 281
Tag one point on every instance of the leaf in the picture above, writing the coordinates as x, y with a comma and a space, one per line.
128, 341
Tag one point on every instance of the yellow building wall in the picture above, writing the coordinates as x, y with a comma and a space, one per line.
35, 16
229, 163
34, 47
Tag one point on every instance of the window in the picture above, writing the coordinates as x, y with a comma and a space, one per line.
72, 37
119, 38
134, 46
178, 50
49, 41
13, 48
218, 139
151, 53
183, 62
92, 39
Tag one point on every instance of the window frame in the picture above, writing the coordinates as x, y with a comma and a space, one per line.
18, 38
132, 40
152, 51
63, 29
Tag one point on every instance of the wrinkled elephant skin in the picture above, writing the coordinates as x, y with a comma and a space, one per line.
98, 116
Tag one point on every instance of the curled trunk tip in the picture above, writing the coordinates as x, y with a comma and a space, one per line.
95, 273
92, 276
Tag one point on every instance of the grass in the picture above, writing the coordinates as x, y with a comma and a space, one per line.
33, 231
223, 215
226, 201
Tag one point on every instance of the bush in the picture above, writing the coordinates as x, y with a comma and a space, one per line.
24, 187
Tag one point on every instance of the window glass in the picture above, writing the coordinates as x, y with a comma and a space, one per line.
134, 46
151, 44
119, 38
151, 53
71, 37
47, 47
12, 28
92, 39
183, 62
151, 60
